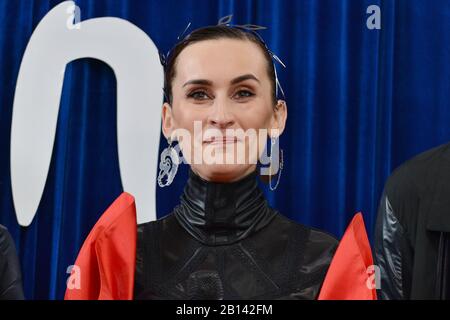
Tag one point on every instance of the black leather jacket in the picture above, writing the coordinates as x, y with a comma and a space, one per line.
10, 275
412, 234
223, 241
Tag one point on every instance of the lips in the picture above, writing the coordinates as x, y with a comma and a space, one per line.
221, 140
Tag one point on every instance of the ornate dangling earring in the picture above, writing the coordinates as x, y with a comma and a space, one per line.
168, 165
272, 143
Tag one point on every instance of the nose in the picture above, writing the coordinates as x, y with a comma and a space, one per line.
220, 116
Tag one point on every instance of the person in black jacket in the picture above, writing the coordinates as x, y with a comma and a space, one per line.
10, 275
223, 240
412, 234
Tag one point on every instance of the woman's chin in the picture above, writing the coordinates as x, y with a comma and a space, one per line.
224, 172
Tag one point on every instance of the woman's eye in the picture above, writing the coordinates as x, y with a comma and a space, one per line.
244, 94
198, 95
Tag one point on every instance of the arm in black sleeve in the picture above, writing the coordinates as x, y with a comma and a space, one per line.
10, 275
393, 254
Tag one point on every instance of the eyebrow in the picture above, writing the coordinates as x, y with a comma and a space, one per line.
234, 81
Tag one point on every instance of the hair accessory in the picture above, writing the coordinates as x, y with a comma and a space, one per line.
226, 21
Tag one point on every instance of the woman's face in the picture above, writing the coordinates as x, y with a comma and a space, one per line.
221, 102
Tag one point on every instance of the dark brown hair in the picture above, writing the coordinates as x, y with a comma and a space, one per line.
214, 33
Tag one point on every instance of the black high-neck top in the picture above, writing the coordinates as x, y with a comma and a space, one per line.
223, 241
223, 213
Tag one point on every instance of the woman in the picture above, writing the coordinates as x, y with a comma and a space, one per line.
223, 240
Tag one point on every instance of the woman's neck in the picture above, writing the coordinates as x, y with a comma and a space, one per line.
222, 213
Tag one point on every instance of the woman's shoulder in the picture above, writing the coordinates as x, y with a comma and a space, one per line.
312, 248
308, 234
164, 229
162, 222
287, 238
293, 253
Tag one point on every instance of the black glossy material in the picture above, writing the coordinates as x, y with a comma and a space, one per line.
224, 242
10, 275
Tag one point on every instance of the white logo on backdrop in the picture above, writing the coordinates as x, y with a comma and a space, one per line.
135, 61
374, 20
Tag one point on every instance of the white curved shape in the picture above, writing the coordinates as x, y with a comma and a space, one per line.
135, 61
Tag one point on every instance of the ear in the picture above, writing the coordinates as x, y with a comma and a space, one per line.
168, 122
279, 117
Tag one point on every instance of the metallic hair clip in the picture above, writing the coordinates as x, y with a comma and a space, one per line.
227, 19
163, 57
185, 29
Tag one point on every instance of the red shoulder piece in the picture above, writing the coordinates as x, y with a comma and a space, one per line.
106, 261
350, 275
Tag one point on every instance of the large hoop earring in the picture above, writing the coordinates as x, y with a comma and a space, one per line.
272, 143
168, 165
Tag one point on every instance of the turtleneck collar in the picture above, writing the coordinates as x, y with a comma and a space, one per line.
223, 213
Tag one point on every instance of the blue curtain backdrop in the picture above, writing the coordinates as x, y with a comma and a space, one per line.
360, 103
